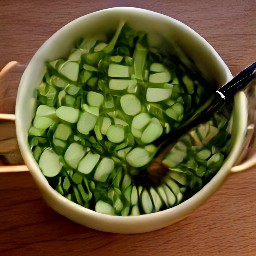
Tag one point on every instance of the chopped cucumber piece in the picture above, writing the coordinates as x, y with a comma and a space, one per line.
106, 122
179, 177
158, 67
100, 46
115, 133
140, 121
204, 154
95, 99
63, 132
153, 131
162, 77
91, 109
88, 163
130, 104
138, 157
68, 114
146, 202
74, 154
44, 110
86, 122
171, 198
176, 111
158, 94
117, 70
104, 168
103, 207
117, 58
70, 70
155, 199
42, 122
72, 89
49, 163
76, 55
134, 196
121, 84
33, 131
90, 68
58, 82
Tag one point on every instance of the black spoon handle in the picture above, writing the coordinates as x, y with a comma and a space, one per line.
223, 95
239, 82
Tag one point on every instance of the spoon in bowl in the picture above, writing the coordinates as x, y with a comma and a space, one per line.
156, 169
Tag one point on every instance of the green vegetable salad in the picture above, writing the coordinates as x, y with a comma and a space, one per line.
99, 111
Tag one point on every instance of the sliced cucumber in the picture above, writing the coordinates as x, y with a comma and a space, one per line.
88, 163
74, 154
49, 163
69, 69
68, 114
115, 133
130, 104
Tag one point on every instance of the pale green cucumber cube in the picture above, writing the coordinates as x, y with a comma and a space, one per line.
95, 99
63, 132
90, 68
105, 208
204, 154
121, 84
117, 70
176, 111
106, 122
70, 70
138, 157
161, 77
33, 131
68, 114
158, 67
42, 122
44, 110
158, 94
117, 58
75, 55
146, 202
86, 122
134, 196
72, 89
104, 168
171, 198
100, 46
59, 144
141, 120
59, 82
115, 133
74, 154
49, 163
155, 199
88, 163
91, 109
135, 211
153, 131
130, 104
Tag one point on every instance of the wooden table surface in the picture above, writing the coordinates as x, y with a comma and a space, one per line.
224, 225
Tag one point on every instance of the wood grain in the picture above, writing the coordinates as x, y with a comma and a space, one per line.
225, 225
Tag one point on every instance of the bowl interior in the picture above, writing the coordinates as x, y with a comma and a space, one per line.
160, 28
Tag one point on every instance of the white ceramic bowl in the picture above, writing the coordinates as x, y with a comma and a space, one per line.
158, 26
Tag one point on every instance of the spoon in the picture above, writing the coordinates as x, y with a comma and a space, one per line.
156, 169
